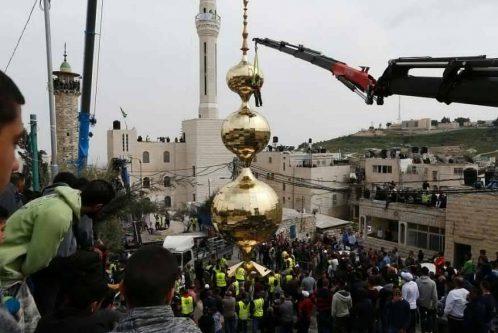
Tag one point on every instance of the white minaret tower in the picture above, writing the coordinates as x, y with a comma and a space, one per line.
208, 27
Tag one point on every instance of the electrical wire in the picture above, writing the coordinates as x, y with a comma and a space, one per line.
20, 36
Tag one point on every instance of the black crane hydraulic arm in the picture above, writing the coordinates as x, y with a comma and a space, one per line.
468, 80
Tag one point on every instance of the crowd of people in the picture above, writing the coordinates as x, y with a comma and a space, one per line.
56, 277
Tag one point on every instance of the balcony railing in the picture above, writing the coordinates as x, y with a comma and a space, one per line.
206, 17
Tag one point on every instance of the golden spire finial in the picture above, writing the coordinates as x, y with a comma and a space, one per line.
245, 34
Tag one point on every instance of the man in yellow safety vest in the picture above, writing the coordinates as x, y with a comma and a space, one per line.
187, 304
221, 281
240, 274
243, 308
257, 310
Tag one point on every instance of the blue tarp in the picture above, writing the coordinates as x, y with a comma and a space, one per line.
84, 141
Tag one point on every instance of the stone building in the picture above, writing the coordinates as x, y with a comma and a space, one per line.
472, 225
408, 227
66, 92
297, 178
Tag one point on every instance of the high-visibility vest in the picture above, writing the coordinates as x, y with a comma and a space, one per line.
258, 307
271, 284
187, 305
243, 311
240, 274
237, 287
278, 277
220, 279
289, 262
288, 277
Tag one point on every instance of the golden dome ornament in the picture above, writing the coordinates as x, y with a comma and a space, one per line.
246, 210
245, 133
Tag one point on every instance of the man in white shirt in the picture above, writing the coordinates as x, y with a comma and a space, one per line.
410, 293
455, 306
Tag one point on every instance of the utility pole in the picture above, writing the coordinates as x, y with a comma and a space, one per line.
33, 139
86, 95
54, 168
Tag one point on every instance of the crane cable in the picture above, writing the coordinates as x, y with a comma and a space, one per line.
20, 36
98, 60
257, 80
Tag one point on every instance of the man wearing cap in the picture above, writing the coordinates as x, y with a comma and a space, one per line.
304, 311
410, 293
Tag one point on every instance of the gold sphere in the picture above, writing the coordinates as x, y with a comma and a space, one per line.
245, 133
241, 79
246, 211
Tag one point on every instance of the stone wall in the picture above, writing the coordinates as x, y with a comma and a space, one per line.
66, 115
472, 219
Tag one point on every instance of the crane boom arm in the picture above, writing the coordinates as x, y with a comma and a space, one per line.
469, 80
357, 80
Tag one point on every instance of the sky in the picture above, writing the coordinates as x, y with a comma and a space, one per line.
149, 60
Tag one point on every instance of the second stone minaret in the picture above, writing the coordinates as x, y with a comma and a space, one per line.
67, 92
208, 28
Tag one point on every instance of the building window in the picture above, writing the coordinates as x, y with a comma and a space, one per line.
283, 187
193, 171
334, 199
283, 166
429, 238
167, 181
193, 197
434, 175
269, 159
268, 176
146, 182
382, 169
283, 200
205, 69
127, 147
458, 171
166, 157
167, 201
146, 157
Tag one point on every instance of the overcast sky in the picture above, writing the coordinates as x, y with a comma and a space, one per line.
149, 59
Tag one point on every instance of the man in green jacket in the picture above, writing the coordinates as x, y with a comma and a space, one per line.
34, 232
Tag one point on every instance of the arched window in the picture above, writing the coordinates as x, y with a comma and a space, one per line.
146, 182
167, 181
146, 157
166, 157
167, 201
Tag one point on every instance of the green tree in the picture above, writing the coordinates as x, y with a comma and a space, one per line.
434, 123
461, 121
111, 232
446, 120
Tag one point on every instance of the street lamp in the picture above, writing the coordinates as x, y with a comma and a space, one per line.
140, 163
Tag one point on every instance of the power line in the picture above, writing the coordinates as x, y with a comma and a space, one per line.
20, 37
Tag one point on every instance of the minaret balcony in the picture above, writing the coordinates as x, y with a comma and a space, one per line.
207, 21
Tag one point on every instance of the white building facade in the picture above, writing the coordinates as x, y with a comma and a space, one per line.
195, 166
306, 182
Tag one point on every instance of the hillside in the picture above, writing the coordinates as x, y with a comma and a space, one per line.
481, 139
